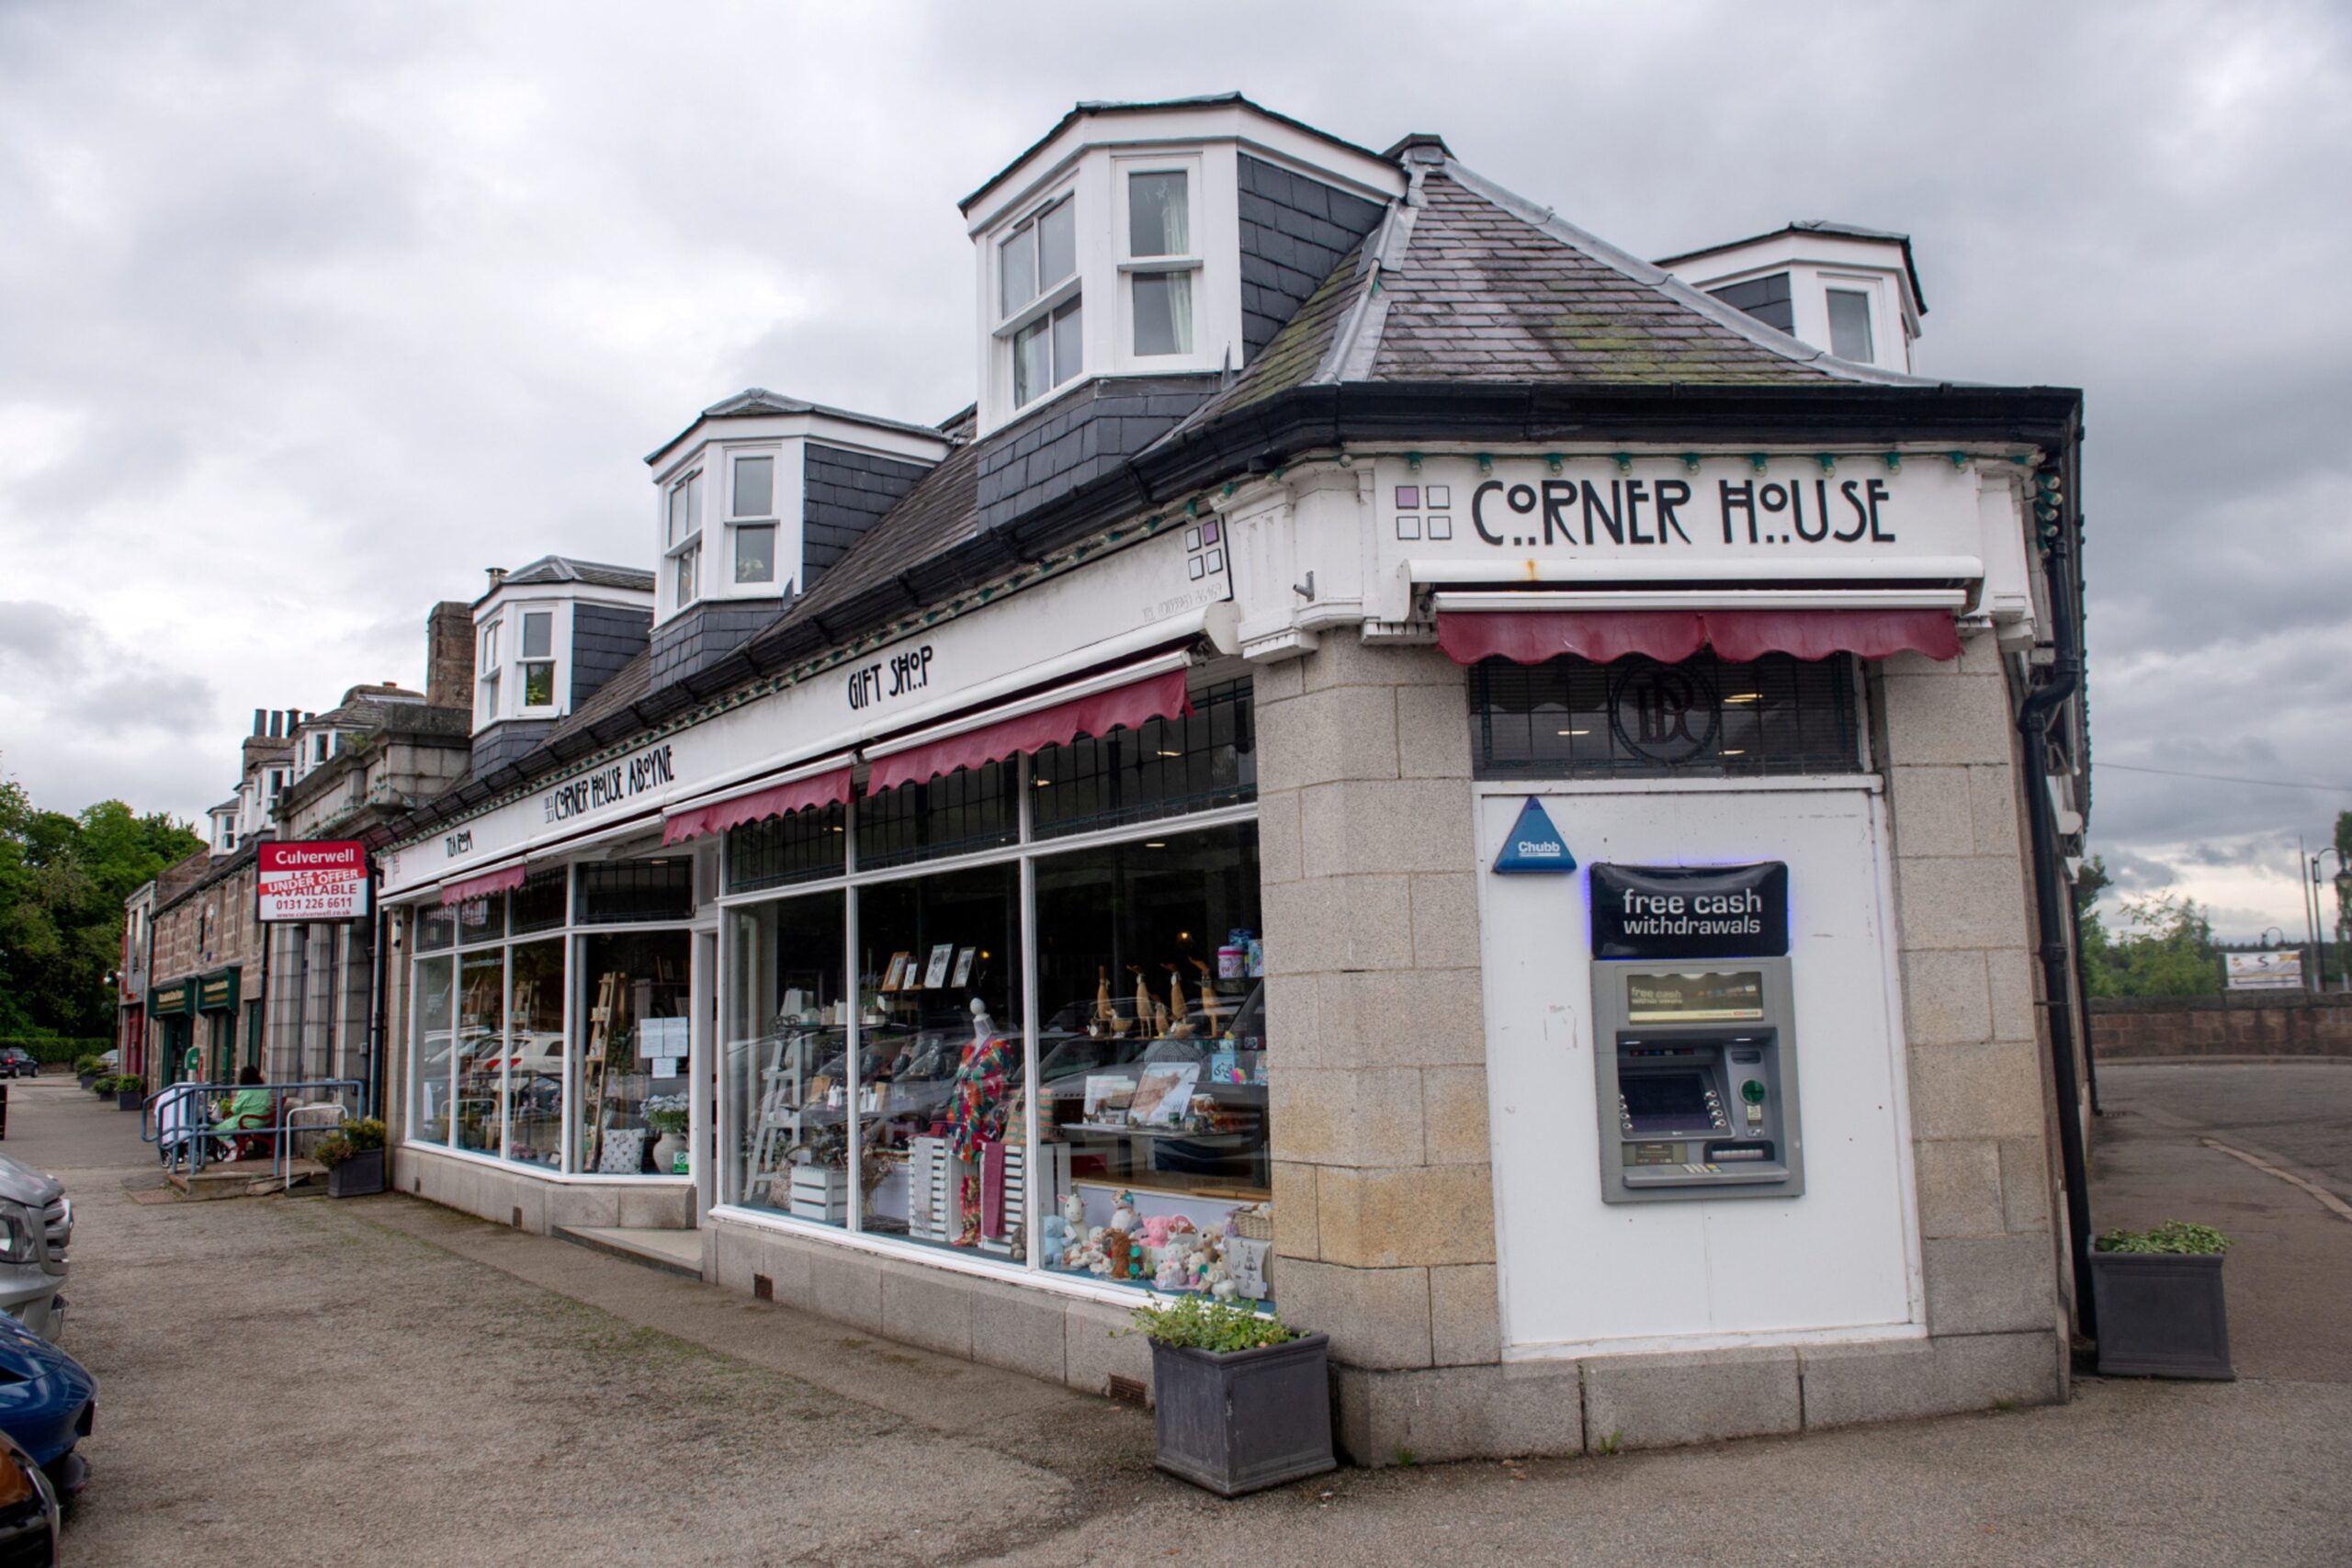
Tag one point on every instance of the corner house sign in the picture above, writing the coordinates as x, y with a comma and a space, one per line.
649, 772
1672, 911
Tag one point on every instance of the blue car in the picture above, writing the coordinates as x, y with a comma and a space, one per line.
27, 1510
47, 1403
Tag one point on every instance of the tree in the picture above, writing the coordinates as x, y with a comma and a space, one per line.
2166, 950
63, 882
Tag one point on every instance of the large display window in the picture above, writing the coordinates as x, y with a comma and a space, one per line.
884, 1032
566, 1047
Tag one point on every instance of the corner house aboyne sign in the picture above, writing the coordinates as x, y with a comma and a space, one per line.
317, 880
1671, 516
1691, 912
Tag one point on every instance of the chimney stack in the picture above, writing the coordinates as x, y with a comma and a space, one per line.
449, 656
261, 722
497, 576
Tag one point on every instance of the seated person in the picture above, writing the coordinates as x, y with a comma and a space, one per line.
251, 1107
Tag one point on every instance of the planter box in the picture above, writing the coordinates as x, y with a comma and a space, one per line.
129, 1098
1247, 1419
86, 1078
2160, 1314
359, 1176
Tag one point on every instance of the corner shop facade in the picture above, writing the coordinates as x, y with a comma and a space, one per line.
1788, 625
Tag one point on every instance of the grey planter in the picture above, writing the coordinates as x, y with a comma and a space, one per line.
359, 1177
86, 1078
129, 1098
1244, 1420
2161, 1315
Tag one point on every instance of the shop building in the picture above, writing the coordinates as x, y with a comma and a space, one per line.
1400, 763
359, 769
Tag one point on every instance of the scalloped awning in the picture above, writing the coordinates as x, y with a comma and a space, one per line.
1530, 636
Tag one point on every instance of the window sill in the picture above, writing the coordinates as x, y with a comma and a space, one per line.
541, 1172
1161, 264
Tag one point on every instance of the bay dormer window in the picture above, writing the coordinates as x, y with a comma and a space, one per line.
685, 540
1850, 324
1162, 259
752, 515
486, 673
1039, 299
538, 660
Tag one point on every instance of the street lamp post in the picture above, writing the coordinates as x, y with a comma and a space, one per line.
2343, 882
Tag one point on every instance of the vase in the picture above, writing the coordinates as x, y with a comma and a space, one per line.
666, 1152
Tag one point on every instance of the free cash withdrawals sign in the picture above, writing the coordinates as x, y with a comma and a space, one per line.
321, 880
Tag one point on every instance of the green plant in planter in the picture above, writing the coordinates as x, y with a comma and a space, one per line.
671, 1122
2172, 1236
333, 1150
1204, 1323
82, 1064
366, 1133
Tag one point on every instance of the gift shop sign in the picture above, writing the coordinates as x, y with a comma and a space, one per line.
314, 880
1704, 516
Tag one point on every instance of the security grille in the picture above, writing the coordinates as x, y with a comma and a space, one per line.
1164, 769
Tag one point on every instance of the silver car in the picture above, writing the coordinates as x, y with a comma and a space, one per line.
36, 1226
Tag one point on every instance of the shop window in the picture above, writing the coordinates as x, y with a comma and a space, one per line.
482, 1052
1168, 767
481, 920
799, 846
633, 1086
785, 1067
970, 809
638, 890
433, 1011
535, 1053
939, 1085
1637, 718
436, 927
538, 904
1152, 1061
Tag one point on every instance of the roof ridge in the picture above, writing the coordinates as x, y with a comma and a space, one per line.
1548, 221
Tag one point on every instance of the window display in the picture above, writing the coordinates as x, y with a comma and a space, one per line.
1152, 1064
535, 1053
787, 1079
481, 1051
429, 1107
633, 1085
939, 1080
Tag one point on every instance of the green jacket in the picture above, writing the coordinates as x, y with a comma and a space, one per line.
248, 1108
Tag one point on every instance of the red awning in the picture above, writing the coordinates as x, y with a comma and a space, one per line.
773, 800
1131, 706
482, 886
1530, 636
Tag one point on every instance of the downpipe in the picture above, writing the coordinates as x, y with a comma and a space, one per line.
2053, 909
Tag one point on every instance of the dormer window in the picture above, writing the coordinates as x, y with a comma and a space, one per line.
1161, 260
538, 658
487, 673
751, 513
1849, 326
685, 540
1038, 298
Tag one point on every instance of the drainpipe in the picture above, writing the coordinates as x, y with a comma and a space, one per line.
377, 973
2054, 902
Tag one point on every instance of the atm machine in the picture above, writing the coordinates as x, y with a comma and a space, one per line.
1695, 1040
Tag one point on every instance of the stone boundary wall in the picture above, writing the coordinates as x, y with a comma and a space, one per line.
2243, 1023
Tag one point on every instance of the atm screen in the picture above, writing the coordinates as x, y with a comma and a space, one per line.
1660, 1101
1714, 996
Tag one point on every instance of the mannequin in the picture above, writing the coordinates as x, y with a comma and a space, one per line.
977, 1117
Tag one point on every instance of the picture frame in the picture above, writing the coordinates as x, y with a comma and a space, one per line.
1108, 1096
935, 976
964, 956
1163, 1094
901, 972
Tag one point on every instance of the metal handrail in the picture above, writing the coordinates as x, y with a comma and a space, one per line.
192, 1132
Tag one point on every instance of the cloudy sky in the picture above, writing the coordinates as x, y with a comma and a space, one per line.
310, 312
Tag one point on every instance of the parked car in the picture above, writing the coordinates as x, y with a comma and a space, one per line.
28, 1509
16, 1062
36, 1228
47, 1405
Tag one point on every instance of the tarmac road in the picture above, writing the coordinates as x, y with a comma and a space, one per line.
382, 1381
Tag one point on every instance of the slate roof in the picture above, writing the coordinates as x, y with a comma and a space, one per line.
564, 569
1466, 282
1817, 226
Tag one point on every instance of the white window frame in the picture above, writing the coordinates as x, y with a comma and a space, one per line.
772, 518
1046, 302
523, 704
676, 551
1194, 263
1864, 289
